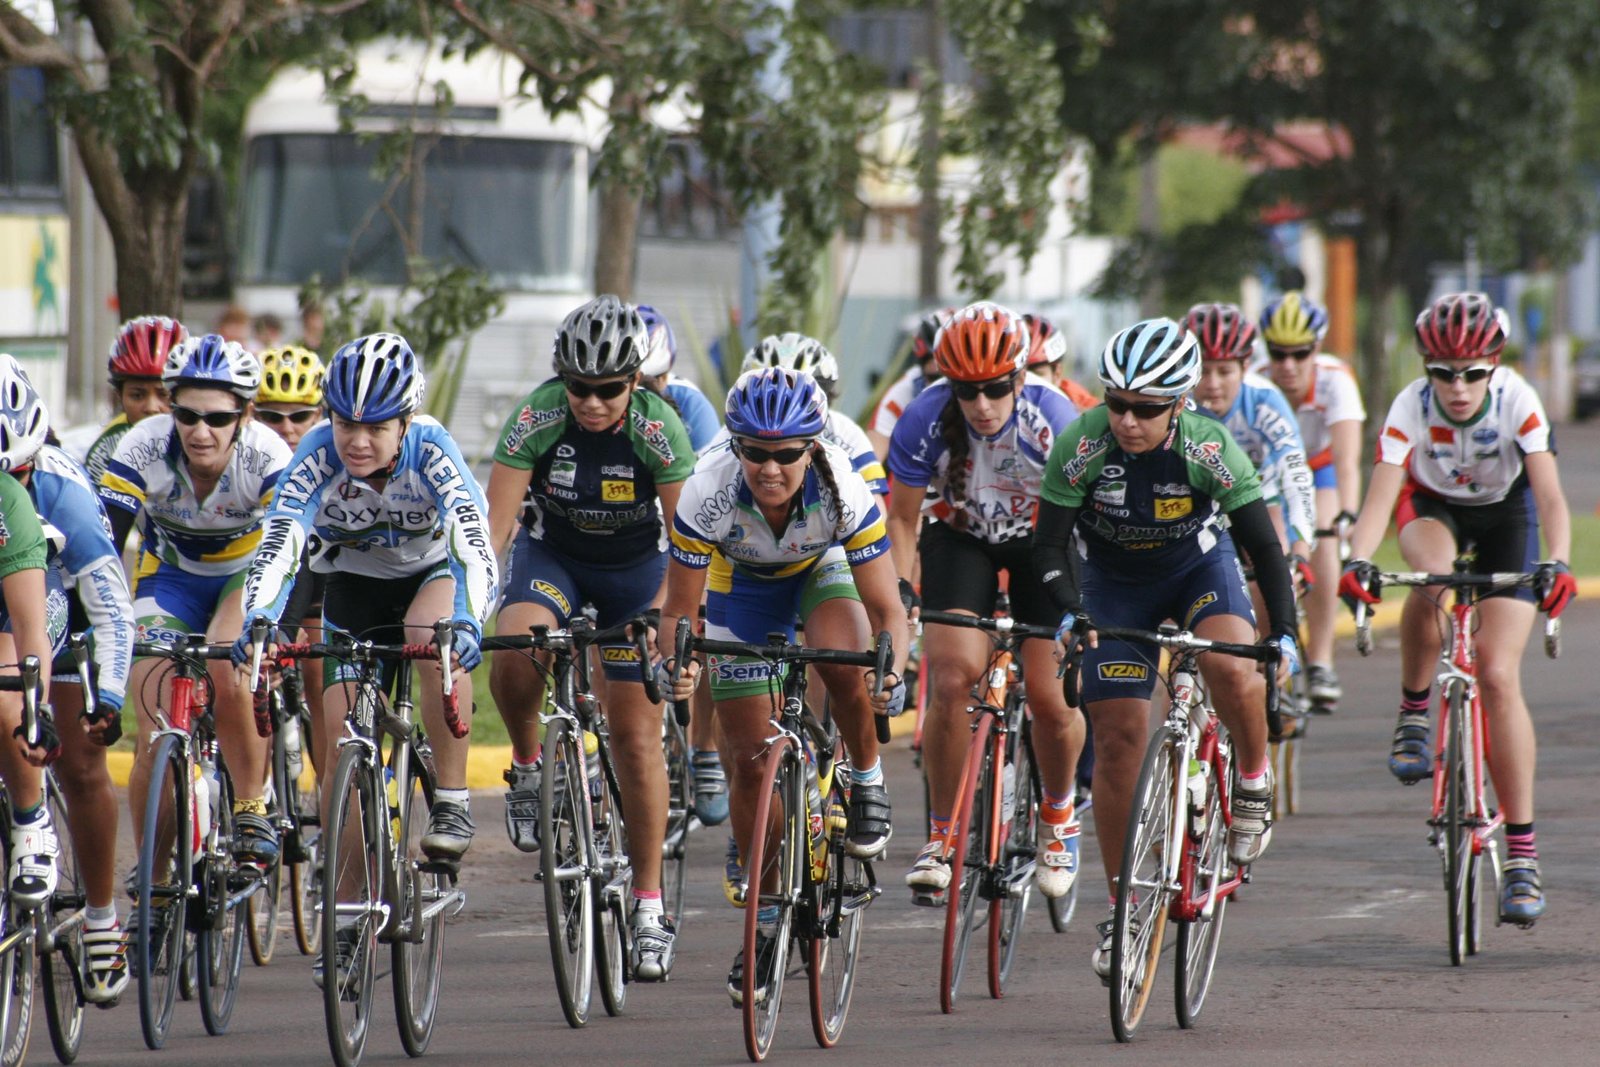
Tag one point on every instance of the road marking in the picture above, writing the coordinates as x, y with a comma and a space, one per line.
1370, 909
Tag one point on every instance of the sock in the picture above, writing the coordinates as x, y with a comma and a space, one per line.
28, 816
708, 757
872, 775
528, 765
1256, 781
938, 827
767, 917
1414, 701
1519, 841
1056, 809
647, 902
103, 918
455, 796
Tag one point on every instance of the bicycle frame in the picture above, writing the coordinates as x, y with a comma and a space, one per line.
1458, 671
1201, 741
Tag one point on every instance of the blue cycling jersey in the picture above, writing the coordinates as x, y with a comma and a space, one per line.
1264, 425
699, 415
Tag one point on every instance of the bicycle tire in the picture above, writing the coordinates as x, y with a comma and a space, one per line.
969, 849
219, 943
612, 886
351, 857
787, 857
1199, 939
418, 965
16, 970
61, 969
265, 905
680, 819
567, 847
1017, 855
1459, 862
167, 819
1139, 923
305, 870
835, 948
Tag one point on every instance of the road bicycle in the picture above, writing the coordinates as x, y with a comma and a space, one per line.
186, 880
994, 824
800, 865
1462, 825
1175, 863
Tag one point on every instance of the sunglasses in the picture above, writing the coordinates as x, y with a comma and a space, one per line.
1278, 355
215, 419
605, 391
1447, 375
1145, 410
278, 418
994, 390
783, 457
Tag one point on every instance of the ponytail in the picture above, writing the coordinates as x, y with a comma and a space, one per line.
953, 430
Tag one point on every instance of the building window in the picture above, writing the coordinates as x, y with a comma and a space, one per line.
30, 160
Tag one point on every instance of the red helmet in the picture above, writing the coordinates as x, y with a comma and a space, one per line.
141, 346
1462, 326
983, 341
928, 332
1046, 343
1223, 330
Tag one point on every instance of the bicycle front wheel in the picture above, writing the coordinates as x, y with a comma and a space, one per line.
352, 879
303, 854
1139, 923
566, 860
61, 968
680, 813
219, 943
16, 971
613, 889
969, 853
842, 900
1019, 827
778, 851
1198, 939
162, 888
1462, 866
417, 956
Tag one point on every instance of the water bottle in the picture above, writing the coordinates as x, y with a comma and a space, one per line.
202, 808
391, 790
296, 758
815, 824
591, 759
1198, 783
1008, 791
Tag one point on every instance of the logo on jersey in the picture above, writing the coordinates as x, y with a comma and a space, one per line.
1088, 450
653, 433
1111, 493
1169, 508
616, 470
1197, 607
1488, 435
619, 654
565, 451
554, 595
1208, 454
1123, 672
530, 421
564, 472
1111, 470
617, 492
1171, 489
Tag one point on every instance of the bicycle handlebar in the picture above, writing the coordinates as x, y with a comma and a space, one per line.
578, 637
1001, 625
1495, 582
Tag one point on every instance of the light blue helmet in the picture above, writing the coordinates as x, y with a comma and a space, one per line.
374, 378
1157, 356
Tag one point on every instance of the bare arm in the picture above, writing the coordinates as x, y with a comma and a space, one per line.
905, 519
880, 595
507, 487
1544, 478
685, 586
669, 496
1346, 441
1382, 493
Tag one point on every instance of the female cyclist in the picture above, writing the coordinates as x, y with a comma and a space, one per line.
923, 372
788, 532
138, 358
601, 462
699, 414
970, 453
1467, 453
83, 560
1146, 480
202, 478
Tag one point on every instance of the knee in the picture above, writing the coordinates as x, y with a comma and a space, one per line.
1499, 682
1234, 684
953, 687
846, 685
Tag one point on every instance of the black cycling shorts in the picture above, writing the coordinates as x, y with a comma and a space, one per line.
1505, 533
961, 572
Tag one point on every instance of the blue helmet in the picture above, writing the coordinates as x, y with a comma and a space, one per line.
662, 352
776, 403
211, 360
374, 378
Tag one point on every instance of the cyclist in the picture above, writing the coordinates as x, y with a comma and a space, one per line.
970, 452
604, 462
784, 530
82, 558
1047, 349
1327, 401
923, 372
138, 357
202, 477
1146, 480
1468, 455
699, 414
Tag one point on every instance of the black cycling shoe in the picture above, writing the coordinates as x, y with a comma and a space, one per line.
255, 839
766, 956
870, 827
1411, 757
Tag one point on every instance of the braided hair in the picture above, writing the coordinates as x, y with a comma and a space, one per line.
953, 430
827, 481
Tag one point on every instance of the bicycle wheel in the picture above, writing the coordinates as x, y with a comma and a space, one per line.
1019, 827
841, 906
613, 889
1461, 866
219, 943
568, 842
162, 887
303, 854
779, 851
16, 968
61, 968
263, 907
680, 813
417, 956
1139, 922
968, 854
1199, 938
352, 879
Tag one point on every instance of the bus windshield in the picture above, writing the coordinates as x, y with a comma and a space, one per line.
314, 204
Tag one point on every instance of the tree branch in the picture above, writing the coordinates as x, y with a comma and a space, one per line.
23, 43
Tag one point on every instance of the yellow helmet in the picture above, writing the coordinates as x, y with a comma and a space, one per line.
1293, 321
291, 375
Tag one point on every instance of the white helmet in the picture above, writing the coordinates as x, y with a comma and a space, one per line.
23, 419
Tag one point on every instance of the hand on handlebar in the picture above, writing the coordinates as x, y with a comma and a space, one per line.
1556, 587
1288, 657
465, 646
1300, 569
687, 681
1359, 583
104, 727
891, 699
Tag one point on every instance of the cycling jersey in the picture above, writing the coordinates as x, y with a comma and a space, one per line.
592, 496
22, 540
216, 536
699, 415
719, 525
104, 447
1477, 462
1149, 513
1333, 397
1004, 470
430, 511
82, 551
843, 432
892, 405
1263, 425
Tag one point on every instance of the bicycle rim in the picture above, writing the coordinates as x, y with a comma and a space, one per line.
1017, 858
305, 876
565, 861
16, 971
775, 850
161, 886
219, 944
351, 881
1199, 939
61, 969
1459, 819
680, 810
1139, 922
968, 830
264, 906
842, 903
417, 956
613, 889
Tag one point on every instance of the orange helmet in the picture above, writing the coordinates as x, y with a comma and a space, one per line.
981, 342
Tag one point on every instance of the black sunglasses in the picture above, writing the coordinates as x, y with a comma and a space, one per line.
994, 390
1141, 410
1447, 375
1278, 355
214, 419
299, 418
783, 457
605, 391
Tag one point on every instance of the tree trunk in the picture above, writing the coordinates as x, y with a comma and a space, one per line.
149, 252
619, 230
929, 213
1379, 276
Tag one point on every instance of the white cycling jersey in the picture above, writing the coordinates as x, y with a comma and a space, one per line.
897, 398
1262, 424
1333, 397
1479, 462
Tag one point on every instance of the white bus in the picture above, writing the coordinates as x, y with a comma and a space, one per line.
504, 188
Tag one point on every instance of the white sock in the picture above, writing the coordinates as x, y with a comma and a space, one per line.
97, 918
455, 796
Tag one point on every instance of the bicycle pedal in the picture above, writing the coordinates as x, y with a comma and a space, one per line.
440, 865
928, 900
